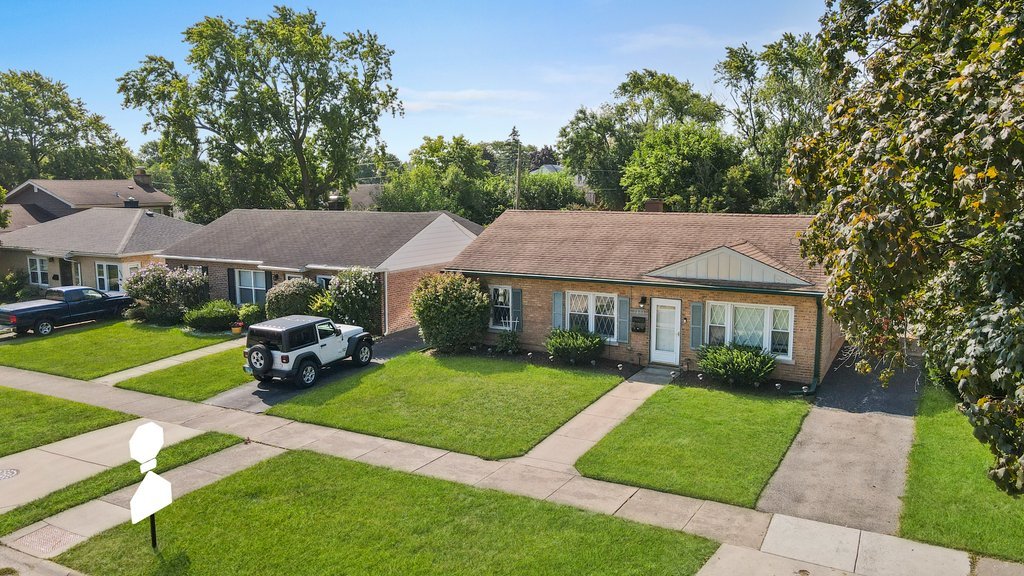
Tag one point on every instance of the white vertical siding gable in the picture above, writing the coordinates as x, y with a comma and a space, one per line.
439, 242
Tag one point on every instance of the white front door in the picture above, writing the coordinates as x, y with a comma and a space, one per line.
665, 331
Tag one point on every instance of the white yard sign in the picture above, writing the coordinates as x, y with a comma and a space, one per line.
154, 493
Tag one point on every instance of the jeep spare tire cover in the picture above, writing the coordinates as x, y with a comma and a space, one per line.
260, 359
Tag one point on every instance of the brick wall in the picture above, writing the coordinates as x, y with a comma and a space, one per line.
537, 301
399, 298
218, 274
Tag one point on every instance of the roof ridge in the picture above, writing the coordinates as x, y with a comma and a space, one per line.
130, 231
626, 212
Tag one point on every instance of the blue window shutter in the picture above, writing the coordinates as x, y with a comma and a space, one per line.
696, 325
557, 310
517, 309
623, 319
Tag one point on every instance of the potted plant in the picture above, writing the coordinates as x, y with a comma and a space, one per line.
236, 327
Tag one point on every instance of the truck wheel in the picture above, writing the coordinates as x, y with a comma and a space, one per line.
307, 374
43, 328
362, 354
260, 360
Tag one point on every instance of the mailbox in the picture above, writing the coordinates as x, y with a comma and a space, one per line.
638, 324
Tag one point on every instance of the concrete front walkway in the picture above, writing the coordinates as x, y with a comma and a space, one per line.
847, 466
111, 379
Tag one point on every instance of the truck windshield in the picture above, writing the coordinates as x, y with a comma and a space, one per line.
55, 295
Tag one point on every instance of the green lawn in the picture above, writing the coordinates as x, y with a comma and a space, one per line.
196, 380
699, 442
489, 407
111, 480
303, 513
28, 420
97, 349
949, 500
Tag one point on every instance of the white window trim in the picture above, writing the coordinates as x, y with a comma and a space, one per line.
766, 331
41, 263
128, 268
106, 279
490, 319
292, 276
194, 269
591, 312
239, 287
320, 277
76, 273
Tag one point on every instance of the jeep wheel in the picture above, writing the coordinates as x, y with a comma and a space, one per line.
307, 374
260, 360
363, 353
43, 328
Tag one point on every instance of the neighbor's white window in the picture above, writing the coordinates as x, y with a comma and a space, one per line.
501, 307
767, 327
37, 272
133, 269
593, 312
194, 269
292, 276
251, 286
108, 276
76, 273
323, 281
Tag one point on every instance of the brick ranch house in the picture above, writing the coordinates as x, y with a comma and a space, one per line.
246, 252
658, 285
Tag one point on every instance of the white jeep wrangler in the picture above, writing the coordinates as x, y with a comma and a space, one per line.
296, 348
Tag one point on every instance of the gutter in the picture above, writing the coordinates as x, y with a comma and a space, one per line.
816, 378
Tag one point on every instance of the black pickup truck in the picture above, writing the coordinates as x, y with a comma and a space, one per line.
64, 305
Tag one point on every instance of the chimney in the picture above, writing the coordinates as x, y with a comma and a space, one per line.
654, 205
142, 179
131, 202
334, 202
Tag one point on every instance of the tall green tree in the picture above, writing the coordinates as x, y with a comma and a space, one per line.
278, 105
597, 144
548, 192
778, 95
45, 133
5, 214
921, 184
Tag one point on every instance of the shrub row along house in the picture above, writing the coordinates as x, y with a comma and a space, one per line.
246, 252
658, 286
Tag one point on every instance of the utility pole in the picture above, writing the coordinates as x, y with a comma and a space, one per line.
515, 136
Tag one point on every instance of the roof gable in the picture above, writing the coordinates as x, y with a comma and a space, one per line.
727, 264
98, 193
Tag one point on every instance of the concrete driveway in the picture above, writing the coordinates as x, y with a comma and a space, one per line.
848, 464
258, 397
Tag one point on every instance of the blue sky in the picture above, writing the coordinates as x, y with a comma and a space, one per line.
472, 68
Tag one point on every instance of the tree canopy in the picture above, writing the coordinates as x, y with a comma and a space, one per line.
918, 176
275, 105
45, 133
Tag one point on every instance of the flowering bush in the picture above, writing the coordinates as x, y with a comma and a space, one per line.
352, 297
165, 294
451, 310
291, 297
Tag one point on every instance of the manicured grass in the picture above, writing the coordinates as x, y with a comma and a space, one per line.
113, 479
949, 500
196, 380
699, 442
28, 420
489, 407
93, 350
308, 514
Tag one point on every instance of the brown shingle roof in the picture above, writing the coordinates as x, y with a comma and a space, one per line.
23, 215
627, 246
112, 231
295, 239
112, 193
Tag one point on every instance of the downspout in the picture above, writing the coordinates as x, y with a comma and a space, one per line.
810, 390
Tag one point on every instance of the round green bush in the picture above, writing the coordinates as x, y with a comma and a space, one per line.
214, 316
164, 294
574, 346
291, 297
451, 310
736, 365
250, 314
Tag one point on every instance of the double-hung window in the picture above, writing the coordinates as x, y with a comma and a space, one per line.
767, 327
37, 272
592, 312
501, 307
108, 276
251, 286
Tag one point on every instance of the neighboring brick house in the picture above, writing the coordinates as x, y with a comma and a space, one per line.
38, 200
98, 247
246, 252
659, 285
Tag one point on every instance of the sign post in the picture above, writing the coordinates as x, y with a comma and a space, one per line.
154, 492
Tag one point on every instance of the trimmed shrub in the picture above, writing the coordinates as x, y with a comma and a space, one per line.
355, 299
574, 346
134, 313
508, 342
214, 316
250, 314
12, 282
165, 294
736, 365
322, 305
291, 297
29, 293
451, 310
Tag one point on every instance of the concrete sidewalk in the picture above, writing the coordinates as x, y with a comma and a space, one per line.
111, 379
